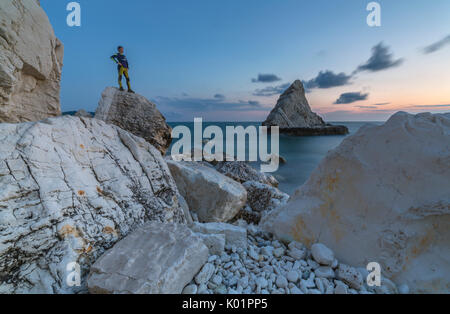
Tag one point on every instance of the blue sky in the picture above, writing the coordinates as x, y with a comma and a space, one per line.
203, 57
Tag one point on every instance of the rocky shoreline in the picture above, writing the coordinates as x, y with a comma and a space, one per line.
96, 194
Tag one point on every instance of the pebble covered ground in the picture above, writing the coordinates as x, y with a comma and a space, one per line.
268, 266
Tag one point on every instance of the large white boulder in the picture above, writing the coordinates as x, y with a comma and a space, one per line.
211, 195
382, 196
136, 114
31, 60
69, 189
155, 259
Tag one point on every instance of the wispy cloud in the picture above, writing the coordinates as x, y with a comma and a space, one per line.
272, 90
432, 106
266, 78
356, 115
219, 96
381, 59
348, 98
198, 105
254, 103
437, 45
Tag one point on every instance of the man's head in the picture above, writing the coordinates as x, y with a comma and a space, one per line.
120, 49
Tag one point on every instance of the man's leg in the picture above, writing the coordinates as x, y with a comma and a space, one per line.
121, 70
127, 77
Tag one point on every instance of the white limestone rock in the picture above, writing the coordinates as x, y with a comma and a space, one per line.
324, 272
322, 254
292, 276
382, 196
157, 258
340, 288
31, 60
135, 114
211, 195
281, 282
83, 114
234, 235
191, 289
70, 188
205, 274
350, 275
214, 242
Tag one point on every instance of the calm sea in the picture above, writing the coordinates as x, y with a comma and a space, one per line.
303, 154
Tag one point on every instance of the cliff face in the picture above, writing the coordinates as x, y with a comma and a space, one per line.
293, 111
30, 63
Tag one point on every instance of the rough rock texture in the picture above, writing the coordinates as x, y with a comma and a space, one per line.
211, 195
134, 113
214, 242
69, 189
322, 254
30, 63
241, 171
293, 115
262, 197
234, 235
83, 114
157, 258
382, 196
350, 275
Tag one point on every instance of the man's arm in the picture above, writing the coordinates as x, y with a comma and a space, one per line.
115, 59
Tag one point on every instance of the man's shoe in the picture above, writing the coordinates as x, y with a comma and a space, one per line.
131, 91
121, 89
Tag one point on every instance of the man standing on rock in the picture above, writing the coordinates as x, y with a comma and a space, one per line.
122, 67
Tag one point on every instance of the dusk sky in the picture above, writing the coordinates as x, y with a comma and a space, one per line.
228, 60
